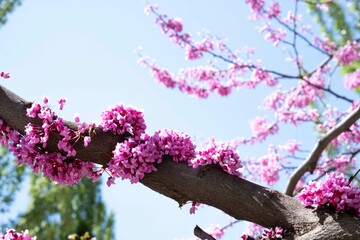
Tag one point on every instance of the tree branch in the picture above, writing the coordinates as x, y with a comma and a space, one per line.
310, 163
198, 232
208, 184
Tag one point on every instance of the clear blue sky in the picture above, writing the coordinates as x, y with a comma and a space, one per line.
84, 51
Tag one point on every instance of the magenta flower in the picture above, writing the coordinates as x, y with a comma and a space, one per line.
4, 75
333, 191
11, 234
62, 102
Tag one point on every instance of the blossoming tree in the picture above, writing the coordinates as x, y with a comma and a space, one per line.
168, 161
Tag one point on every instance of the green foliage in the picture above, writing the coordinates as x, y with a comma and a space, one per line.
6, 7
340, 24
11, 177
57, 211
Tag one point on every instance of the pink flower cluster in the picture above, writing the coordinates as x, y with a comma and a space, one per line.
334, 191
352, 80
196, 50
263, 233
11, 234
259, 11
325, 44
291, 147
210, 77
267, 167
274, 35
260, 75
261, 128
256, 8
219, 153
4, 75
200, 81
348, 53
61, 167
133, 158
123, 120
173, 27
290, 105
272, 233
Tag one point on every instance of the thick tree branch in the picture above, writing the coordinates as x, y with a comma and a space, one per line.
310, 163
198, 232
209, 185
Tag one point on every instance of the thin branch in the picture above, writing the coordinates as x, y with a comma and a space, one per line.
352, 177
300, 36
230, 225
310, 163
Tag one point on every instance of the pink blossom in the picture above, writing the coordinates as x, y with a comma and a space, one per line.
219, 153
77, 118
62, 102
325, 44
290, 17
33, 110
175, 24
244, 237
253, 229
133, 160
196, 50
163, 76
260, 75
216, 231
334, 191
275, 35
123, 120
290, 147
268, 166
256, 8
352, 80
262, 129
150, 8
4, 75
110, 181
194, 206
348, 53
11, 234
45, 99
26, 148
175, 144
274, 10
87, 140
272, 233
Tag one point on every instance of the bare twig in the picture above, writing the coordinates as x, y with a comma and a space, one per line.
353, 176
310, 163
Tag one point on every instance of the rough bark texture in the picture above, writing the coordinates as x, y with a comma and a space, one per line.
209, 185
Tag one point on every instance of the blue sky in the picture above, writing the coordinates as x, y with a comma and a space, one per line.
84, 51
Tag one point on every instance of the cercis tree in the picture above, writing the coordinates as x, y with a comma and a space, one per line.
217, 175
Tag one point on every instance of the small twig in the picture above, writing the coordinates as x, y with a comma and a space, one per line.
198, 232
230, 225
310, 163
353, 176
